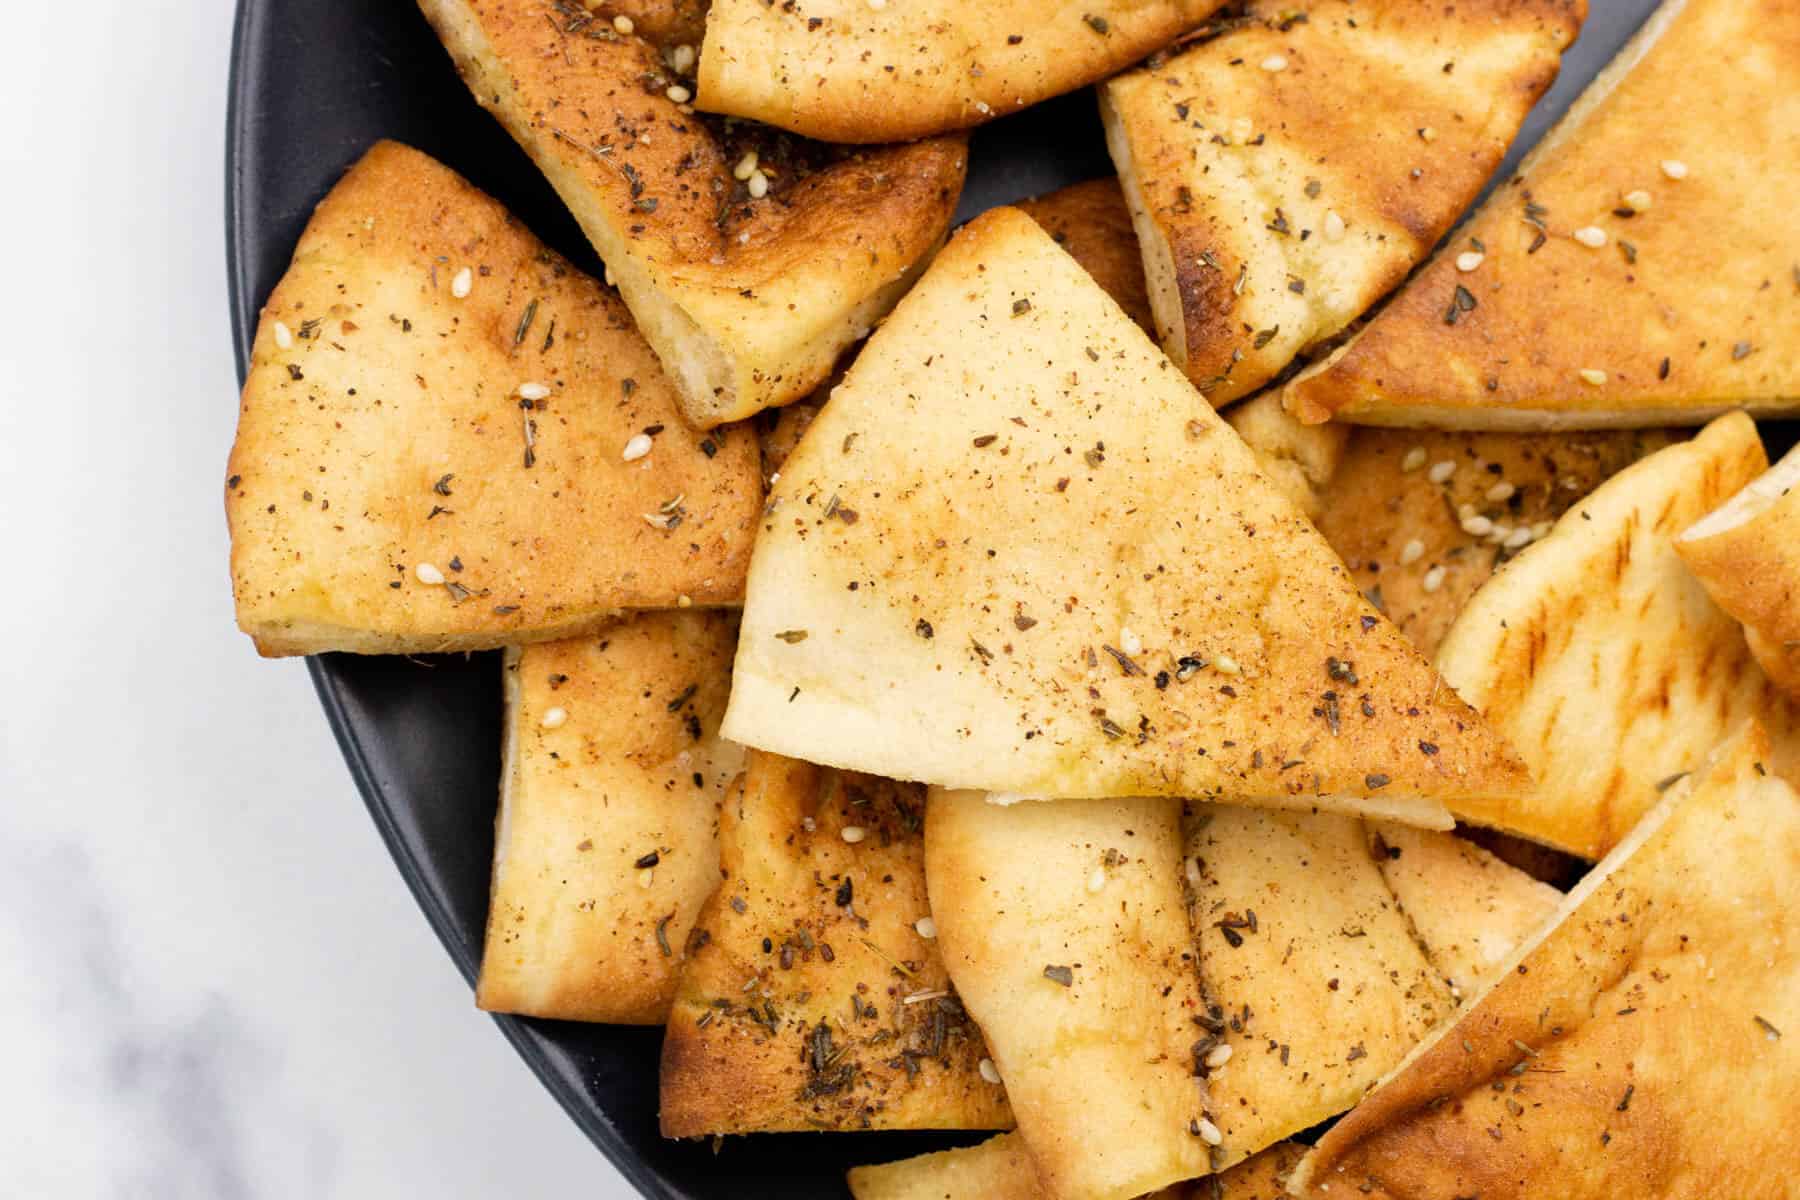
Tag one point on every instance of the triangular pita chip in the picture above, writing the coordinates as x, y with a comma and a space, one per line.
1299, 459
1747, 553
437, 445
1090, 221
1017, 552
814, 996
1001, 1169
1315, 985
1063, 929
751, 260
1602, 657
853, 71
1468, 909
607, 842
1291, 170
1636, 271
1640, 1045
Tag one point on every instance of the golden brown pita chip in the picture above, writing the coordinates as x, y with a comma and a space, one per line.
607, 842
812, 997
421, 465
1016, 552
1468, 909
749, 288
1299, 459
1639, 1046
1090, 221
1290, 171
1423, 519
1001, 1169
1636, 271
1315, 985
852, 71
1063, 928
1604, 660
1747, 554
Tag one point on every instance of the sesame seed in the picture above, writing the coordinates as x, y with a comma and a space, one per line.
623, 24
1428, 134
684, 601
1193, 871
877, 5
682, 58
1518, 539
1442, 471
284, 337
1477, 526
1593, 376
925, 927
1334, 225
1274, 62
637, 447
1097, 880
1224, 664
1501, 492
745, 166
1129, 642
534, 391
989, 1071
1412, 552
758, 185
1542, 530
1499, 533
982, 107
1591, 235
428, 574
1209, 1133
1434, 579
678, 93
1468, 260
1674, 168
646, 877
1218, 1056
460, 285
1415, 458
853, 834
554, 718
1638, 201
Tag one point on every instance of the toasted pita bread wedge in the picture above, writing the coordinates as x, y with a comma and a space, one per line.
1604, 660
1747, 554
813, 996
1001, 1169
1288, 172
1015, 552
1090, 221
607, 841
1635, 1047
1315, 985
1423, 519
1063, 929
1299, 459
848, 71
1468, 909
749, 288
437, 444
1635, 272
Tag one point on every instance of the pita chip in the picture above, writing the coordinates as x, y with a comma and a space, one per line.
1468, 909
1289, 171
1635, 271
851, 71
607, 840
1001, 1169
1603, 659
750, 260
1091, 222
1641, 1044
1299, 459
814, 996
419, 467
1314, 983
1063, 929
1747, 554
1017, 553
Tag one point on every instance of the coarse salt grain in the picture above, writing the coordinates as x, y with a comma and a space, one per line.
1434, 579
989, 1071
1591, 235
1442, 471
1415, 458
637, 447
463, 281
1674, 168
534, 391
1412, 552
1468, 260
925, 927
1593, 376
1274, 62
284, 337
428, 573
554, 718
853, 834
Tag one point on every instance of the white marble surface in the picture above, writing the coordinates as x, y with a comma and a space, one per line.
212, 982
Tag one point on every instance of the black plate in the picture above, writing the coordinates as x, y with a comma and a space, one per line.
312, 85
